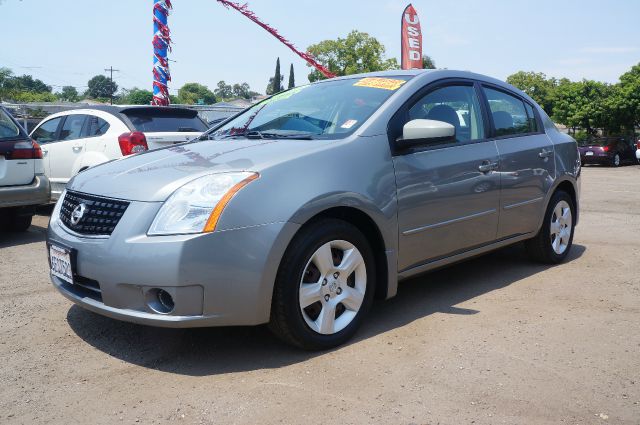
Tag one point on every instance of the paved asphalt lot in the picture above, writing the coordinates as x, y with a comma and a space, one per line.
494, 340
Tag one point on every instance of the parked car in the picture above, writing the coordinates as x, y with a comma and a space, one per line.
23, 184
75, 140
613, 151
638, 150
300, 210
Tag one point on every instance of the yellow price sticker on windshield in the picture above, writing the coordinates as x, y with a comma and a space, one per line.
380, 83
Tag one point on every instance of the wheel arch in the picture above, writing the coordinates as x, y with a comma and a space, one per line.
369, 228
568, 185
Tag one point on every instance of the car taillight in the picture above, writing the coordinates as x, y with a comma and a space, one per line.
133, 142
605, 148
26, 150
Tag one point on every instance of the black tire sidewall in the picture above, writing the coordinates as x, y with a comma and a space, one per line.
289, 277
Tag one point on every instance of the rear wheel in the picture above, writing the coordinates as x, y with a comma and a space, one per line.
615, 162
16, 220
324, 286
554, 240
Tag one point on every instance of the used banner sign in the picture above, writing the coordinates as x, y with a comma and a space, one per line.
411, 39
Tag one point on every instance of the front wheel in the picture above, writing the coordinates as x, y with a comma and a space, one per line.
324, 286
554, 240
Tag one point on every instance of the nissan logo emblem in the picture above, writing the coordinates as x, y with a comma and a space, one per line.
77, 213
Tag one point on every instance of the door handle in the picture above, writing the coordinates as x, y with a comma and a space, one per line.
77, 148
545, 153
487, 166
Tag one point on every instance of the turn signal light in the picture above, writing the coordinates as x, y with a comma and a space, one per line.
132, 143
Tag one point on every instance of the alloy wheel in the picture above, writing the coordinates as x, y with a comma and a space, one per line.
561, 227
332, 287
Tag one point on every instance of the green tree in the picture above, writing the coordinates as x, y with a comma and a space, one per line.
136, 96
101, 87
625, 99
243, 91
358, 52
275, 83
224, 91
428, 62
5, 75
537, 85
269, 89
292, 78
69, 94
192, 93
26, 83
583, 104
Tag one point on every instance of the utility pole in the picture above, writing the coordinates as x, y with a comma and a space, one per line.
110, 69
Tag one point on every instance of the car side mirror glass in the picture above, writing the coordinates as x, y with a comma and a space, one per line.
422, 132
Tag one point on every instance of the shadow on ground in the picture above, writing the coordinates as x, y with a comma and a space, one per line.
34, 234
210, 351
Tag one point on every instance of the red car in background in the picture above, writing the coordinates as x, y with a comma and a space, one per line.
613, 151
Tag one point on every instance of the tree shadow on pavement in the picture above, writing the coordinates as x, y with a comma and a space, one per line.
211, 351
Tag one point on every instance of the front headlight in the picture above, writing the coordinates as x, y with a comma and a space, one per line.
196, 206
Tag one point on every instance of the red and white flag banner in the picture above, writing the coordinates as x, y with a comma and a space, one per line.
411, 39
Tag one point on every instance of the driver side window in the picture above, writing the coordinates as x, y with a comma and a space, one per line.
457, 105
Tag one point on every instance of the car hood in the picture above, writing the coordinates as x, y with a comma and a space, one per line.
154, 175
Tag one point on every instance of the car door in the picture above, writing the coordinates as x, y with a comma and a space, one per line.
447, 194
527, 162
65, 153
46, 133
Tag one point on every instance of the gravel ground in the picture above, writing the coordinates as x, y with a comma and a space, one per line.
494, 340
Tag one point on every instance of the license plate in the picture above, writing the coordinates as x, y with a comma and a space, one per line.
60, 262
589, 153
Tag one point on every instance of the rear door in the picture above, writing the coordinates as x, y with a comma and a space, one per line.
165, 126
13, 171
527, 162
447, 194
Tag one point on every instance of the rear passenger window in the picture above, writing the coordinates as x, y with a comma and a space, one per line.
97, 126
509, 114
72, 127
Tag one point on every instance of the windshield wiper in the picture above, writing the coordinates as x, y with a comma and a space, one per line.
282, 134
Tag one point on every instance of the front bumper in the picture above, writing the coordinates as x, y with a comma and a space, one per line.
36, 193
215, 279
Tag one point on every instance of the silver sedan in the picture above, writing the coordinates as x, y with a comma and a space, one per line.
301, 210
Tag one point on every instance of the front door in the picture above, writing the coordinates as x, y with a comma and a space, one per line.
65, 152
527, 163
448, 194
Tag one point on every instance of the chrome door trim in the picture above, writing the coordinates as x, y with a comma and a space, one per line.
520, 204
446, 223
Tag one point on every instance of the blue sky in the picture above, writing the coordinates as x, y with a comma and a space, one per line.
67, 42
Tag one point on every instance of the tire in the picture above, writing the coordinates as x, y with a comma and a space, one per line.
301, 282
16, 221
552, 247
615, 161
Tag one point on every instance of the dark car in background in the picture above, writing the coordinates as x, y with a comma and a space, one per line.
612, 151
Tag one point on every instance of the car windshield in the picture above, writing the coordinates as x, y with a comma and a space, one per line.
8, 129
327, 110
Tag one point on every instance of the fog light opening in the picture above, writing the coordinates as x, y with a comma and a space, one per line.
160, 301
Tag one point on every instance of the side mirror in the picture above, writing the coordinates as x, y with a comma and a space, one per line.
421, 132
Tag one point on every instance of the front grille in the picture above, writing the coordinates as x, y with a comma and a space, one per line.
99, 216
